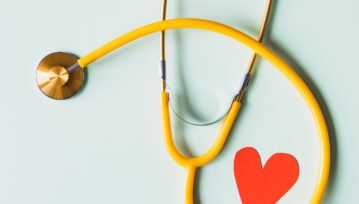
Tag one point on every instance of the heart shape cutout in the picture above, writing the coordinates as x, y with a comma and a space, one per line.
264, 185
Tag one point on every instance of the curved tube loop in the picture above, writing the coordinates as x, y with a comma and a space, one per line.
212, 152
257, 47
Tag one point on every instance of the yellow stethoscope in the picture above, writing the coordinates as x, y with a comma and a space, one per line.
192, 163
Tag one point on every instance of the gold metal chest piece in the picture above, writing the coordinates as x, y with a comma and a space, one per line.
54, 80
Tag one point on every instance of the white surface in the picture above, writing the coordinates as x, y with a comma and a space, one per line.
105, 145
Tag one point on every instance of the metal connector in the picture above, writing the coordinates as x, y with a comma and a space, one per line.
162, 72
247, 79
73, 67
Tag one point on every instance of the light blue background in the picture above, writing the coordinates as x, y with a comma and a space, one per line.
105, 145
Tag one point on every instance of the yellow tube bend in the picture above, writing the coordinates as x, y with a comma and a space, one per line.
214, 150
260, 50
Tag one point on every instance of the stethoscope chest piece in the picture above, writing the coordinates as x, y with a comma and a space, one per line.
53, 78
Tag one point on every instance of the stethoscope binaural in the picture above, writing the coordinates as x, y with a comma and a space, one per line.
54, 87
247, 77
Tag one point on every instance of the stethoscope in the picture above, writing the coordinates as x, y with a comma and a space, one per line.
60, 76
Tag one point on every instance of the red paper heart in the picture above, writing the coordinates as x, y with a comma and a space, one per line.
264, 185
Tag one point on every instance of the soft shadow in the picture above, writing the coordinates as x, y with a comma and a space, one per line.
298, 68
184, 98
287, 57
196, 193
323, 105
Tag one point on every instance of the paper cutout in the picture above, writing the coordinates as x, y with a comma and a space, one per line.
264, 185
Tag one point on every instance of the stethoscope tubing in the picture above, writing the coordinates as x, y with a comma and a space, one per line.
259, 49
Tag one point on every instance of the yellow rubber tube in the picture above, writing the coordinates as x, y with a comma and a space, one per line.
191, 174
260, 50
